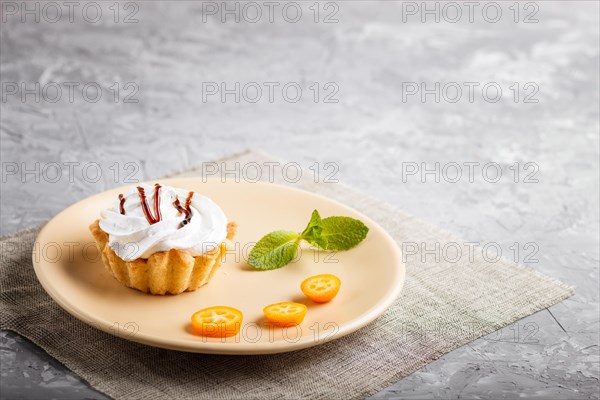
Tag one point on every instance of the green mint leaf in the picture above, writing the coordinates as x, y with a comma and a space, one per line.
274, 250
340, 233
314, 228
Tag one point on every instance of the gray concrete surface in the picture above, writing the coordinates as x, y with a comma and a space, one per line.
168, 55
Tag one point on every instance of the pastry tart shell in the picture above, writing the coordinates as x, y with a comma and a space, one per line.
164, 272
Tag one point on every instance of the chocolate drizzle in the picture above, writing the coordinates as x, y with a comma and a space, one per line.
157, 202
187, 210
152, 219
177, 205
144, 202
122, 204
188, 200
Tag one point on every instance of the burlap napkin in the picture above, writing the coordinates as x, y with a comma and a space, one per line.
447, 301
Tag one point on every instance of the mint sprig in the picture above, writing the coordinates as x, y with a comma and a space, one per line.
314, 227
278, 248
339, 233
274, 250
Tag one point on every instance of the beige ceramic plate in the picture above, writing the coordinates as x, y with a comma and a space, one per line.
68, 266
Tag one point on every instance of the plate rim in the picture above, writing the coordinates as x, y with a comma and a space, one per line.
213, 347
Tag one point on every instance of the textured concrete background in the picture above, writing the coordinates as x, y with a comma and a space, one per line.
373, 52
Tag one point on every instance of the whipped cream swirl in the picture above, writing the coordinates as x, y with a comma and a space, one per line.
131, 236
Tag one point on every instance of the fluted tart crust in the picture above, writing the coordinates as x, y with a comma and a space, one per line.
165, 272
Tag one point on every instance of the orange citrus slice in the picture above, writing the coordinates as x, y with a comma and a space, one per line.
218, 321
321, 288
286, 313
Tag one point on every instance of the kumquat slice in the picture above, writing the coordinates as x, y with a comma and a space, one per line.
217, 322
321, 288
285, 314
